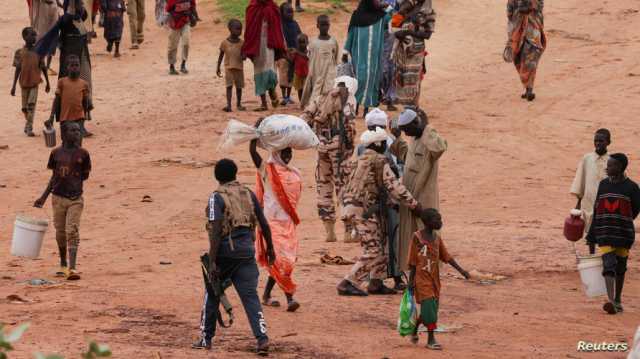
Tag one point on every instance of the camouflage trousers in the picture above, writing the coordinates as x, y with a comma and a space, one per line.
372, 264
329, 180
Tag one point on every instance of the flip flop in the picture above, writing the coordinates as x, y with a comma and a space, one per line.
242, 108
434, 346
260, 109
227, 109
270, 303
73, 275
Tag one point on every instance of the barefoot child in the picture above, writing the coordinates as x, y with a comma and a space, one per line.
300, 63
71, 103
28, 66
291, 31
323, 59
230, 51
113, 11
426, 252
71, 165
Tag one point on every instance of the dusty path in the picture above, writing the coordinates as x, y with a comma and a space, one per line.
503, 187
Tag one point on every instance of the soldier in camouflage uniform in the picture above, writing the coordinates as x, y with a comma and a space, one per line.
332, 118
369, 182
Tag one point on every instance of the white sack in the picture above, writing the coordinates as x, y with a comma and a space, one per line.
275, 133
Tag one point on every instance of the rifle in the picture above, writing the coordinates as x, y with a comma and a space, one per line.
344, 141
216, 288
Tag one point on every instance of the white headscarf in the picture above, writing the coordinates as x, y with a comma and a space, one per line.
376, 117
369, 137
350, 83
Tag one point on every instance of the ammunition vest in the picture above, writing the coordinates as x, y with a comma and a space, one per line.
238, 207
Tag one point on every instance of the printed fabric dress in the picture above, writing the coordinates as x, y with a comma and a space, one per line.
527, 38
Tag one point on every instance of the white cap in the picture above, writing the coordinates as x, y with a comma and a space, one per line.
369, 137
376, 117
406, 117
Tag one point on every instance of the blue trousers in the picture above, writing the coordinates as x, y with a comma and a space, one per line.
243, 273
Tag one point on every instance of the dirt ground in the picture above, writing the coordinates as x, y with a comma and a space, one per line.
504, 184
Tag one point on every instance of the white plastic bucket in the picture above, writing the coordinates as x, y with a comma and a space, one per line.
590, 268
28, 234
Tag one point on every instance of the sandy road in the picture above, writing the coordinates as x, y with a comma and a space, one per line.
503, 188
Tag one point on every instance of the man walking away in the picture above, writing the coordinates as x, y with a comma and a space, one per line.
232, 213
135, 10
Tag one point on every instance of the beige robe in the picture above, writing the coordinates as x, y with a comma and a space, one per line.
323, 59
591, 170
421, 179
44, 15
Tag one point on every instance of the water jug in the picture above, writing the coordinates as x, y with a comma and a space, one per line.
574, 226
49, 136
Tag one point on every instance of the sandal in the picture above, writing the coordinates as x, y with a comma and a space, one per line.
270, 303
261, 109
242, 108
227, 109
435, 346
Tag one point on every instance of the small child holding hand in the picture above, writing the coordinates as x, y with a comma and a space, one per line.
426, 251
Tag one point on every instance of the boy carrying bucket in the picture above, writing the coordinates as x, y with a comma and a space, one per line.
426, 251
617, 204
70, 164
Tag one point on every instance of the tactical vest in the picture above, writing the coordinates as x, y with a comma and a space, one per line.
238, 207
366, 181
326, 122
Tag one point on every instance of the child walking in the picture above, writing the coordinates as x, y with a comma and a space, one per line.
71, 165
291, 31
71, 103
300, 63
181, 19
230, 51
113, 12
28, 66
617, 205
426, 251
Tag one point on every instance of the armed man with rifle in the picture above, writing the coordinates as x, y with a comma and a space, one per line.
370, 181
396, 148
332, 118
232, 214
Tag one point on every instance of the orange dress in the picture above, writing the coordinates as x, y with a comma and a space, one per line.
278, 189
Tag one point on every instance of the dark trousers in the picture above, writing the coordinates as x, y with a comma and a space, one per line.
244, 277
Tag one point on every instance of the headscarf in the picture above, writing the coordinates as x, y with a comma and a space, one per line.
350, 83
369, 137
366, 14
256, 13
376, 117
622, 158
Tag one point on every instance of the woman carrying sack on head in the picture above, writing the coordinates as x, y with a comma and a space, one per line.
278, 189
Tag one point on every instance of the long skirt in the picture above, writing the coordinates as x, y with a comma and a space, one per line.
527, 63
409, 76
366, 46
388, 87
113, 24
264, 66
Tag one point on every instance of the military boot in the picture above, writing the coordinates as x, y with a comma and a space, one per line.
330, 228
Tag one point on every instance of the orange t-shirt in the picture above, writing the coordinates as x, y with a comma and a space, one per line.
31, 65
426, 255
72, 92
